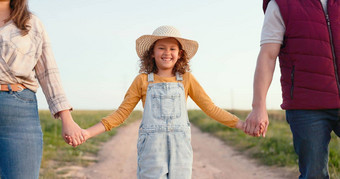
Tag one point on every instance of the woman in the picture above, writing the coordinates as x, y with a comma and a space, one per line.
26, 60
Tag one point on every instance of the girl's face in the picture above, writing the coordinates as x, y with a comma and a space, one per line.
166, 53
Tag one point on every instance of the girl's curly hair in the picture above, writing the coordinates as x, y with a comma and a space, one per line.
148, 64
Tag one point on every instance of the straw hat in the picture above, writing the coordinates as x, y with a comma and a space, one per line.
144, 42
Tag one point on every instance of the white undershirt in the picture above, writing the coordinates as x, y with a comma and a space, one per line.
273, 28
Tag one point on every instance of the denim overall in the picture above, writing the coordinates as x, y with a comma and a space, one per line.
164, 147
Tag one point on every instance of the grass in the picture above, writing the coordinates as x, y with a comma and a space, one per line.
57, 153
276, 149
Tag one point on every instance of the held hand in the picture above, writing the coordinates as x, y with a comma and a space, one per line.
88, 133
241, 125
85, 134
71, 129
257, 123
72, 133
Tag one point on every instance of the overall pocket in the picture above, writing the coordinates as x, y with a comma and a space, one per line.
186, 141
166, 106
141, 143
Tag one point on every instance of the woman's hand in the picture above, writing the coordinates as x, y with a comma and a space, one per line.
71, 129
85, 134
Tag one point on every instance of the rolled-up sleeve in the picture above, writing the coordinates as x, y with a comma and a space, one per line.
48, 75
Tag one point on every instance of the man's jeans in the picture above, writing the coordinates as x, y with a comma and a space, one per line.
311, 135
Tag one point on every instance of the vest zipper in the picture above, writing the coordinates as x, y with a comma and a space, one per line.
333, 52
292, 80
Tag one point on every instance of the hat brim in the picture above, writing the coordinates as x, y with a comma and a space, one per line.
144, 43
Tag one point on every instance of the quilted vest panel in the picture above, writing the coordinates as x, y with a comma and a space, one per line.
309, 56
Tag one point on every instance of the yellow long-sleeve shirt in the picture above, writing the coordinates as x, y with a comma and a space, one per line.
192, 88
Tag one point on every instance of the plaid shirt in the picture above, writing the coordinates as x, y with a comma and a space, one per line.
28, 60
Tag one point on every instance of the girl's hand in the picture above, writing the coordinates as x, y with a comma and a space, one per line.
240, 125
84, 133
71, 129
257, 123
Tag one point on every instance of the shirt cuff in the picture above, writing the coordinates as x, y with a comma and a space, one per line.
55, 108
235, 119
106, 125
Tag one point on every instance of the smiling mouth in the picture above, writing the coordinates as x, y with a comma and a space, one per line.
167, 59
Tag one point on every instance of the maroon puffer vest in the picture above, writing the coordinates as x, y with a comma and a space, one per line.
310, 54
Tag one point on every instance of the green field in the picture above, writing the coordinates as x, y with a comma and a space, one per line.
57, 153
275, 149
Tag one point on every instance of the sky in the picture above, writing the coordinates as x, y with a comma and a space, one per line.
94, 46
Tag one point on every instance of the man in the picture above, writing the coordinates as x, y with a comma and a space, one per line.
305, 34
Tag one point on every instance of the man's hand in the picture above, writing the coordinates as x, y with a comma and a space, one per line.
257, 123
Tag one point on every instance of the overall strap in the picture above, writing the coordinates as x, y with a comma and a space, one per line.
179, 77
150, 77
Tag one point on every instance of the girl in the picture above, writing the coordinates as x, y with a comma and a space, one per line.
164, 148
25, 59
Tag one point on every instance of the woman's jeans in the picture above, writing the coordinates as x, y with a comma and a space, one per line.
311, 135
20, 135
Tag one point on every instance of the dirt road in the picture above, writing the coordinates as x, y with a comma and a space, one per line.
212, 159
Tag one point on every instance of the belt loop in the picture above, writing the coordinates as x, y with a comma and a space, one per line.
9, 89
20, 88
